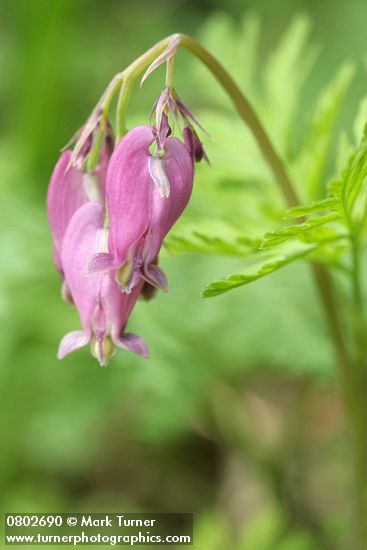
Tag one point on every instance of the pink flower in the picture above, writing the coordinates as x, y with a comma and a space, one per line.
146, 193
103, 309
108, 226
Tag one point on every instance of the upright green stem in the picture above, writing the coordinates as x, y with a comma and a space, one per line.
357, 283
358, 401
169, 71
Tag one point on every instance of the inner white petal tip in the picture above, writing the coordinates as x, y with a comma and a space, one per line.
159, 176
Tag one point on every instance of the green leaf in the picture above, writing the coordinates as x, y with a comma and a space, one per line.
285, 73
282, 235
344, 149
234, 281
236, 48
208, 236
351, 186
211, 244
315, 152
360, 119
248, 45
325, 205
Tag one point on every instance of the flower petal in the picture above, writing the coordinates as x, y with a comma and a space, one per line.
156, 277
66, 294
72, 341
65, 194
129, 191
178, 167
82, 239
141, 210
158, 175
134, 343
102, 261
69, 189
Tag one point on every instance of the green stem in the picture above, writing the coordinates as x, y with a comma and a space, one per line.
320, 274
321, 277
357, 284
243, 107
248, 115
358, 402
122, 102
169, 71
129, 76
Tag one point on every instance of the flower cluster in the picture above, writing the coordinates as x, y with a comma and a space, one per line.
108, 223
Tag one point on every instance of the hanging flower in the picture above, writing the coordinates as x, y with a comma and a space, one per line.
109, 210
102, 308
146, 193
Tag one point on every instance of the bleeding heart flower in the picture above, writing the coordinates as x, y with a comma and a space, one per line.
146, 192
103, 309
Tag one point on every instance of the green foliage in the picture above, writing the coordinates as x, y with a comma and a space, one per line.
208, 244
324, 205
305, 229
311, 160
284, 74
224, 238
219, 287
240, 55
268, 530
152, 421
351, 188
315, 231
360, 119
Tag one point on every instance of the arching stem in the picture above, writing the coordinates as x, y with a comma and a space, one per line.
320, 274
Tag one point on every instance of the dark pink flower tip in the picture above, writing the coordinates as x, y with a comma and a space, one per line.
146, 193
102, 308
70, 187
193, 144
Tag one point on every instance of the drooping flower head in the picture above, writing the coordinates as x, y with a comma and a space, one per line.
103, 309
109, 210
146, 193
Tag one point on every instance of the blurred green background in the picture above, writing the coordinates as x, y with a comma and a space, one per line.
236, 416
